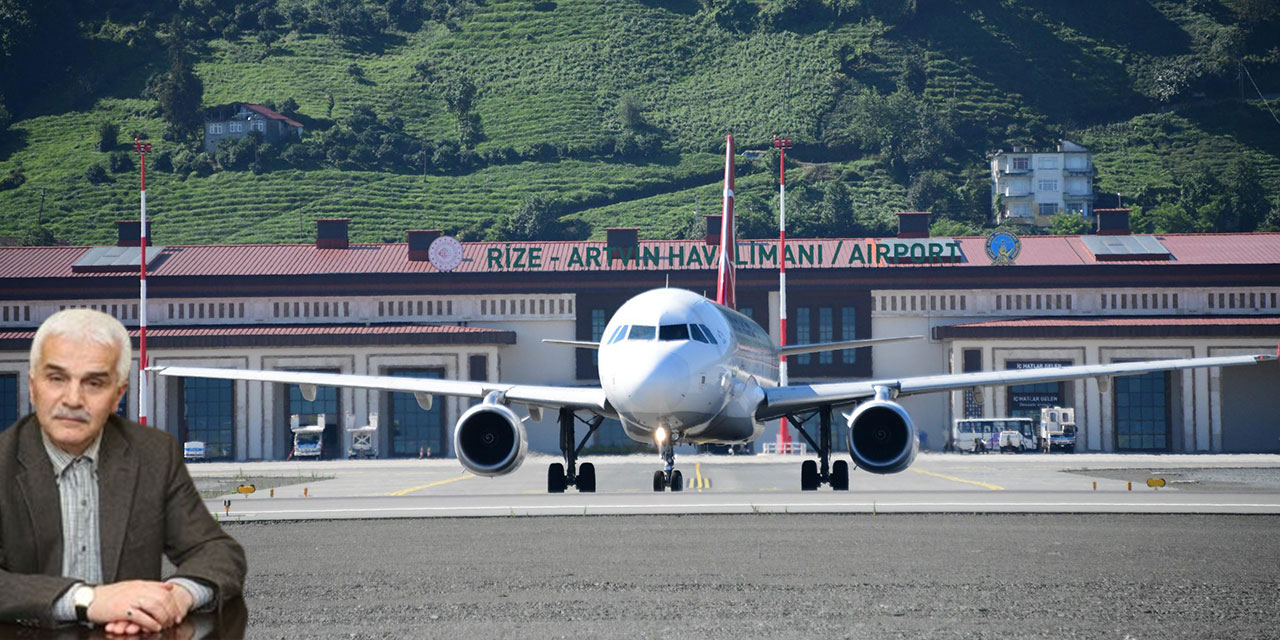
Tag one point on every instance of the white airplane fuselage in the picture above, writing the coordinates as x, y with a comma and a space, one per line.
672, 359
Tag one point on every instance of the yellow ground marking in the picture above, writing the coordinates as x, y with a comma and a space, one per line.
405, 492
955, 479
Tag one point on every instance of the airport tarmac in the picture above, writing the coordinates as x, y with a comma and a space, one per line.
936, 483
988, 546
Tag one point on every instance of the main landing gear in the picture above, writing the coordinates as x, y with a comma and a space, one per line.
570, 473
811, 474
669, 476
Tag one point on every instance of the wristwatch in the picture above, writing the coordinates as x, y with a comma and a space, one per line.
82, 598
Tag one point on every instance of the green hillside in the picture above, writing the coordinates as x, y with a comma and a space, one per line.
612, 112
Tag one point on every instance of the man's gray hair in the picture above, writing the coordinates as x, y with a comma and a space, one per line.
86, 324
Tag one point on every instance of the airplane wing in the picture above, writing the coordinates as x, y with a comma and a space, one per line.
797, 349
544, 396
585, 344
780, 401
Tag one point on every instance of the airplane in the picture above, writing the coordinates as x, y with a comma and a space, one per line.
676, 367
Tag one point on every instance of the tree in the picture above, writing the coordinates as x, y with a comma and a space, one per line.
459, 95
180, 93
904, 128
1247, 203
630, 113
119, 162
96, 173
534, 219
5, 116
108, 136
932, 191
1068, 224
944, 228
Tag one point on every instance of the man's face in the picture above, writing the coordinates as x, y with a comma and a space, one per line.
74, 389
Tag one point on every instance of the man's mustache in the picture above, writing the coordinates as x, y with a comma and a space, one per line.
72, 414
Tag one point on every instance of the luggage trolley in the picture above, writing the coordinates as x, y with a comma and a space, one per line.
364, 440
308, 441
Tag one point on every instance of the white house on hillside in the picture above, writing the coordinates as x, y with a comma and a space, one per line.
1027, 187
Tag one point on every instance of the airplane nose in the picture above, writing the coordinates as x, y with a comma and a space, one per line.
660, 388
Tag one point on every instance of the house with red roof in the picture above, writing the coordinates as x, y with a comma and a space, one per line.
238, 119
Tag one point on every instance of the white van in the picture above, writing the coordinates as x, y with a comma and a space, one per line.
976, 435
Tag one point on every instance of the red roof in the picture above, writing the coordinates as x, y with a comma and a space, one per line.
1142, 321
268, 113
1115, 327
658, 255
334, 330
308, 336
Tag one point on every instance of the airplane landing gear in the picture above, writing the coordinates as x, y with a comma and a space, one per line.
815, 473
669, 476
560, 476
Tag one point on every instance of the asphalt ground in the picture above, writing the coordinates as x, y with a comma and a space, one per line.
1122, 576
987, 546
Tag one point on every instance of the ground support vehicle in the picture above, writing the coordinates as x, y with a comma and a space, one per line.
364, 440
308, 441
1059, 424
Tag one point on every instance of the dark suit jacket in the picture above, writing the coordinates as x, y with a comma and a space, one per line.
148, 506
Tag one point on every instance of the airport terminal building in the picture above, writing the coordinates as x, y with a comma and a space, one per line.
434, 307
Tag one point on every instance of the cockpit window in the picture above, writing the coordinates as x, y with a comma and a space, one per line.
617, 334
697, 334
641, 332
710, 338
673, 332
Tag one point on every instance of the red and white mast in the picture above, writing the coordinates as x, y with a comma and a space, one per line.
142, 148
783, 143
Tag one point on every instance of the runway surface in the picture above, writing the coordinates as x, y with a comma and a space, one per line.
989, 546
936, 483
767, 576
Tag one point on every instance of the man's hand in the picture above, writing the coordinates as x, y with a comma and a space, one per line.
139, 605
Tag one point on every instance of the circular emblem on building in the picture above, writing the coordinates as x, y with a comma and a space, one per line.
1003, 246
445, 253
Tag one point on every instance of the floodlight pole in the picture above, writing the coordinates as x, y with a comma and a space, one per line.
142, 148
782, 145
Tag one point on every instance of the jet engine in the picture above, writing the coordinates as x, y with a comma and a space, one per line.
489, 440
882, 438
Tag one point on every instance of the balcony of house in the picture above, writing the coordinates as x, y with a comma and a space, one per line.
1079, 196
1087, 170
1016, 193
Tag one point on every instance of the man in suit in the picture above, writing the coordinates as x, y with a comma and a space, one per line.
89, 502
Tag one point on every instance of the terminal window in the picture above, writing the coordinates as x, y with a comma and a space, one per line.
1142, 412
414, 430
208, 414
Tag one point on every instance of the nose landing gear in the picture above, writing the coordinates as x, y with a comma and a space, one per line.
669, 476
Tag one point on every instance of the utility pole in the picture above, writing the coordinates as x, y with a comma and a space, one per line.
142, 148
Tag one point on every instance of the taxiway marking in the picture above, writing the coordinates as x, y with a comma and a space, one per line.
955, 479
405, 492
774, 507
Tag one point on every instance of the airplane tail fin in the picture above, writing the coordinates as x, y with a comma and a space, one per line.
726, 283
